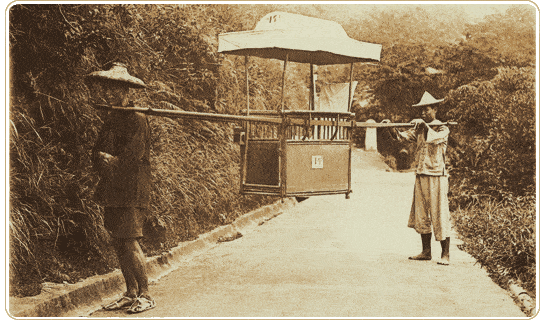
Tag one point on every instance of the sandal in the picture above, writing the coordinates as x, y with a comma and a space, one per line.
141, 304
122, 303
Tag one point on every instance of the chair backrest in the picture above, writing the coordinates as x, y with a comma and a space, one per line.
335, 97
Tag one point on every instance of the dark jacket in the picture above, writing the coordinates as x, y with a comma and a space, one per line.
125, 180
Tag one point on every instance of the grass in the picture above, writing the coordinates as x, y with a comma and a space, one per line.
501, 237
56, 228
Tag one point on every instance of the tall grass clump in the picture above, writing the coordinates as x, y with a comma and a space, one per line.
502, 238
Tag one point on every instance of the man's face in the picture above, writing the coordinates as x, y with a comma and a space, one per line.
429, 113
114, 92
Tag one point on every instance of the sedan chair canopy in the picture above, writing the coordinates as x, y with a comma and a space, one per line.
297, 38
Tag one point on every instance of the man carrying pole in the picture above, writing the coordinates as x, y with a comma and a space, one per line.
430, 199
121, 156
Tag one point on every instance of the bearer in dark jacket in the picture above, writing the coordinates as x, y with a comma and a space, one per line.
121, 156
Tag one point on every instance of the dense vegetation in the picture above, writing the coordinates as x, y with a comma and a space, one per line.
484, 69
56, 228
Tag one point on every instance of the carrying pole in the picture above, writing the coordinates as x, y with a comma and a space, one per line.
218, 117
399, 125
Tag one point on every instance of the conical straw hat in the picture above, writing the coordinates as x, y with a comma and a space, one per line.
118, 72
427, 99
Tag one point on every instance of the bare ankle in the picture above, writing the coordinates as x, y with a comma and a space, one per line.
144, 293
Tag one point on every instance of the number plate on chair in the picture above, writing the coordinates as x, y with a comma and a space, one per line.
316, 162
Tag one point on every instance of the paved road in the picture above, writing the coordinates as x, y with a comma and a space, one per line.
332, 257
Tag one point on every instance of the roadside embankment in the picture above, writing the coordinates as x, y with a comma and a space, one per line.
69, 300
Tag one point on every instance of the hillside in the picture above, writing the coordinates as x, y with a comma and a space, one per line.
56, 230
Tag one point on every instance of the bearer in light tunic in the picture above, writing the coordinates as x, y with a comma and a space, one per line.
430, 200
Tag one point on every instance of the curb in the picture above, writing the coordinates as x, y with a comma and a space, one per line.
522, 299
520, 296
72, 300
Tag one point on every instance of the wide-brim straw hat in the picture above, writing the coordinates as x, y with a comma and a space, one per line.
118, 72
427, 99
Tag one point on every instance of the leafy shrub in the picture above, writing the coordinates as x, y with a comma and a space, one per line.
496, 155
508, 37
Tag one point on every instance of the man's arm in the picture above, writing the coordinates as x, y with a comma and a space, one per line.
100, 157
437, 135
134, 150
131, 153
407, 135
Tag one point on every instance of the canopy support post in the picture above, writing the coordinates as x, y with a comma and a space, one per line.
283, 82
349, 102
311, 88
246, 60
246, 127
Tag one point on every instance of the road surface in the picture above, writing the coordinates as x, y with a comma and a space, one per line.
332, 257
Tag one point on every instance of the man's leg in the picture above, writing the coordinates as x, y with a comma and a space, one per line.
441, 217
129, 276
426, 248
445, 255
135, 257
136, 261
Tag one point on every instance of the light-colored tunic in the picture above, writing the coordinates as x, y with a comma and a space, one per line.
430, 200
431, 149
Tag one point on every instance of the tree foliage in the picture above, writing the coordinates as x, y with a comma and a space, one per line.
496, 155
508, 37
487, 77
407, 25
